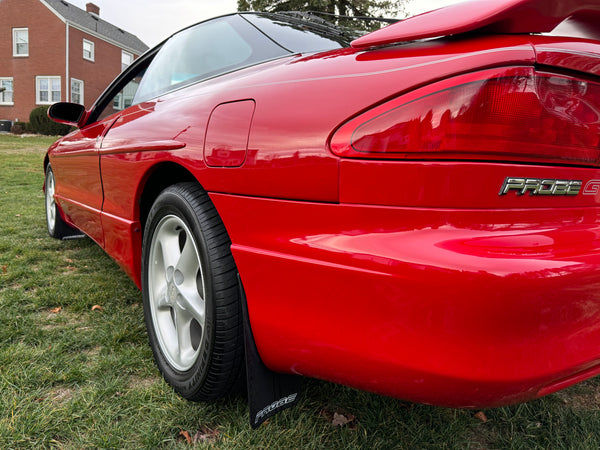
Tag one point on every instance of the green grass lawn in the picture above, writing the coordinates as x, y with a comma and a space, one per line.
75, 376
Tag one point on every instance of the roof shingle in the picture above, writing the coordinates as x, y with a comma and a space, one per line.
96, 25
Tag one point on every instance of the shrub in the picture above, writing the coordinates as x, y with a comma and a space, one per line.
21, 127
42, 124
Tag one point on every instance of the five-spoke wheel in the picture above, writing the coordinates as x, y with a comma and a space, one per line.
176, 292
57, 227
191, 297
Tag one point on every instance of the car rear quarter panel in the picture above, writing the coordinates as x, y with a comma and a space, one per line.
573, 54
367, 273
445, 293
299, 103
458, 307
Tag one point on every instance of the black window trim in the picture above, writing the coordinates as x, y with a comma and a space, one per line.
144, 61
120, 82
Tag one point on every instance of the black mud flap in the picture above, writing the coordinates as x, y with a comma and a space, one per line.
268, 392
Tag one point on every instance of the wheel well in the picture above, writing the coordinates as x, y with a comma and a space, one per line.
161, 178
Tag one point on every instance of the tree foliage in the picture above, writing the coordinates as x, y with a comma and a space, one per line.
353, 8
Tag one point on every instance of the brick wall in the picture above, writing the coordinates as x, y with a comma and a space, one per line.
96, 75
46, 52
47, 56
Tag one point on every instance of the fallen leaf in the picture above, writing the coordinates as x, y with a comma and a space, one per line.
56, 310
186, 436
4, 269
205, 435
338, 417
69, 260
97, 308
481, 417
342, 419
17, 215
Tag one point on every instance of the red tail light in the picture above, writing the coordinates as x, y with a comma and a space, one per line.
515, 114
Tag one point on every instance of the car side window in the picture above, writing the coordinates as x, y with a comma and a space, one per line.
206, 50
123, 98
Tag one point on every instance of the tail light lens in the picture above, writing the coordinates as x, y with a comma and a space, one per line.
515, 114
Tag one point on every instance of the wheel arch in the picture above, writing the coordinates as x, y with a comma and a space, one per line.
267, 390
157, 180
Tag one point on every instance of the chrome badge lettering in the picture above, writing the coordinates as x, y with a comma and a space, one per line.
591, 187
538, 186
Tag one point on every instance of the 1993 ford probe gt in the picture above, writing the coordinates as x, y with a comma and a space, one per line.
415, 213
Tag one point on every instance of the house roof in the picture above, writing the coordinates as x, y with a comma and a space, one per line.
95, 25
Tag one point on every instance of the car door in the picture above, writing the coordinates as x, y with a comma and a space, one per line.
76, 165
76, 160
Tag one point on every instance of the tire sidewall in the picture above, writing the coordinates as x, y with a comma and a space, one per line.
51, 227
171, 202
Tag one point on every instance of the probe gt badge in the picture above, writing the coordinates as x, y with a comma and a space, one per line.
539, 186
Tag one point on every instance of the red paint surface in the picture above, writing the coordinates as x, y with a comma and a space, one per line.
488, 16
409, 278
461, 307
226, 143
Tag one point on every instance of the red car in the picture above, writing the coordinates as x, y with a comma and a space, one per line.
415, 213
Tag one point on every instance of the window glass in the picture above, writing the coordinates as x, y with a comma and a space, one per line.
88, 50
6, 91
55, 89
208, 49
298, 36
20, 42
77, 91
123, 98
126, 60
48, 90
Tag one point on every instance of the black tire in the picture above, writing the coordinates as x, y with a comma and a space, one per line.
200, 355
57, 227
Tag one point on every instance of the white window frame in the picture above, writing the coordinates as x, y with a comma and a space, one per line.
2, 102
124, 53
92, 50
38, 91
81, 87
14, 39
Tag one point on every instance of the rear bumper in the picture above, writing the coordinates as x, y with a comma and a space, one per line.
464, 308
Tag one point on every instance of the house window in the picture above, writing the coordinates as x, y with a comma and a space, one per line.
88, 50
76, 91
47, 90
20, 42
124, 99
126, 60
6, 91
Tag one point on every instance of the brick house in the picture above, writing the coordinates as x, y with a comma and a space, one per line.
51, 50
